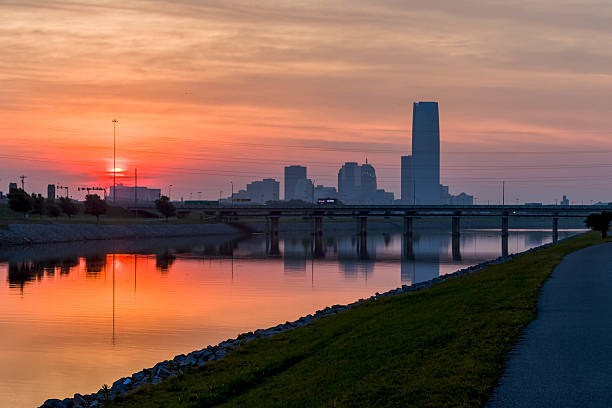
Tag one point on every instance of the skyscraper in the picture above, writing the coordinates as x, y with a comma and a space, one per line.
407, 181
426, 152
292, 175
368, 179
349, 181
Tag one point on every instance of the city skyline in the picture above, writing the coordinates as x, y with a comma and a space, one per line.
206, 96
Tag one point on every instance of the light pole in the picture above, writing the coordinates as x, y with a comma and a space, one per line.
232, 183
115, 121
170, 192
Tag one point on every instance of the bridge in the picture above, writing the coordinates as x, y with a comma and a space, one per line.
318, 213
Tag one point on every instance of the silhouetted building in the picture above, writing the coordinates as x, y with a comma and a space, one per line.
304, 190
51, 191
127, 194
449, 199
261, 192
321, 191
368, 179
565, 201
292, 175
426, 152
357, 185
462, 199
407, 181
349, 181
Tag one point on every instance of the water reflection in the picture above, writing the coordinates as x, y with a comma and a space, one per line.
99, 310
22, 272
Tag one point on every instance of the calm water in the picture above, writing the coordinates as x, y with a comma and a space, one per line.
76, 316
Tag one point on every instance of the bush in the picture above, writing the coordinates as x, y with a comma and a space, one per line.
95, 206
68, 206
165, 207
20, 201
599, 222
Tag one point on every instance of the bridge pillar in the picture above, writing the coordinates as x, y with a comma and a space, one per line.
505, 245
456, 248
318, 226
408, 247
555, 227
363, 226
504, 224
408, 226
456, 224
362, 248
274, 246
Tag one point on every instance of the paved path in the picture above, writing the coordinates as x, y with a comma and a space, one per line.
565, 359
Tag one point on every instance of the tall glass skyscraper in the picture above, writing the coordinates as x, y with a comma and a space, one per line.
426, 153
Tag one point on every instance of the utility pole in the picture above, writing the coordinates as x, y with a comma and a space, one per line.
170, 192
503, 193
232, 183
23, 182
115, 121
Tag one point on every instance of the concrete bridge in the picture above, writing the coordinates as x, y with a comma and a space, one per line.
273, 214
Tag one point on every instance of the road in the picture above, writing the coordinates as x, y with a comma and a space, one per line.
565, 358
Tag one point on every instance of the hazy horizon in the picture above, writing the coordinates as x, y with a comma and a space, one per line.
208, 92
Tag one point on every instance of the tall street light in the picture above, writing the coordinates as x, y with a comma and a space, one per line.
115, 121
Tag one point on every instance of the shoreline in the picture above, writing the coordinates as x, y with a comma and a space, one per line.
170, 368
29, 234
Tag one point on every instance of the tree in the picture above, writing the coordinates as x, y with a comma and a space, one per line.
52, 209
20, 201
599, 222
68, 206
165, 207
38, 204
95, 206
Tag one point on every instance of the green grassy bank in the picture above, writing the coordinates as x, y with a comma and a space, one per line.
442, 346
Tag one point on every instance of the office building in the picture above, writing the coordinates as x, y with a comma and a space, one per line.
51, 192
426, 152
368, 179
321, 191
125, 194
292, 175
304, 190
357, 185
349, 181
407, 193
261, 192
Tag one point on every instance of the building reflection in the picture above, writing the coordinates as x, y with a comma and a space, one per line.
420, 259
295, 255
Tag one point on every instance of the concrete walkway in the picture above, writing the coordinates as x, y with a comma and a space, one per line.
565, 358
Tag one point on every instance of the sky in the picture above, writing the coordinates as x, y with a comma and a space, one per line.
212, 92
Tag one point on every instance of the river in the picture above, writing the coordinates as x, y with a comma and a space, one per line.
76, 316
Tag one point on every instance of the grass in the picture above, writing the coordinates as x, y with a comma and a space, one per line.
443, 346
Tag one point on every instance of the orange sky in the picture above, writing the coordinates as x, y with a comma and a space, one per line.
208, 92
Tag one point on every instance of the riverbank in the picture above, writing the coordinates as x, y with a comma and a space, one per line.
35, 233
460, 331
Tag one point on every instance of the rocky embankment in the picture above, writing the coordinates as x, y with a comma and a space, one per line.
178, 364
20, 234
